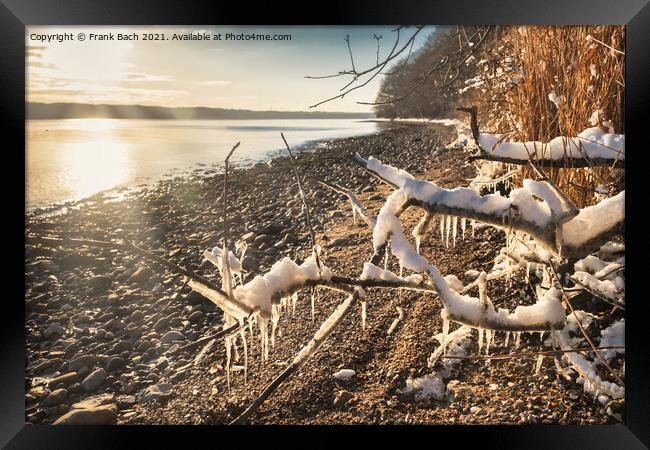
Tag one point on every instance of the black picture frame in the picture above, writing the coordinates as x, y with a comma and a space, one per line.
16, 14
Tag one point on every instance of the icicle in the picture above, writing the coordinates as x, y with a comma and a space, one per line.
234, 347
463, 225
488, 340
313, 303
417, 243
538, 365
445, 332
480, 339
442, 229
228, 363
264, 339
454, 224
242, 333
541, 336
473, 227
294, 300
527, 272
363, 315
507, 339
275, 317
517, 338
447, 229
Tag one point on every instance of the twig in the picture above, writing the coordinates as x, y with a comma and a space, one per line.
225, 257
217, 335
302, 194
353, 199
582, 330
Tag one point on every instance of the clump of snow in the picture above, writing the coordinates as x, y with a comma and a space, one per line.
426, 387
613, 336
454, 283
283, 275
593, 220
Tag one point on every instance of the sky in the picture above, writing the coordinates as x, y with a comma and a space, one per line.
253, 74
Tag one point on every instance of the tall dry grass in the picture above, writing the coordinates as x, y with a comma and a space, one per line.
585, 67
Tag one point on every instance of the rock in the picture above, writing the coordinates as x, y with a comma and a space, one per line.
125, 401
142, 275
137, 316
115, 363
114, 324
519, 405
94, 380
54, 331
56, 397
457, 390
342, 399
178, 376
100, 415
477, 411
161, 324
250, 263
171, 336
344, 374
340, 242
156, 392
77, 363
65, 379
100, 283
162, 363
195, 317
144, 346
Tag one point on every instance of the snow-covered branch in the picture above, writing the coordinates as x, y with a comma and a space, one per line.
533, 209
591, 148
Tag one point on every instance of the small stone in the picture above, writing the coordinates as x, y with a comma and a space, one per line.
115, 363
100, 415
142, 275
342, 399
137, 316
65, 379
94, 380
100, 283
77, 363
155, 392
56, 397
171, 336
195, 316
54, 331
477, 411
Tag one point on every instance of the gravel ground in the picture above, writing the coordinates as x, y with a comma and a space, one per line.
103, 326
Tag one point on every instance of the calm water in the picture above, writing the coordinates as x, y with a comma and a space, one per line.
75, 158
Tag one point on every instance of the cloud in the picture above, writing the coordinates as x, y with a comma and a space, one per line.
139, 76
215, 82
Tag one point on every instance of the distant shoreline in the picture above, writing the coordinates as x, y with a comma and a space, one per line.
60, 111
